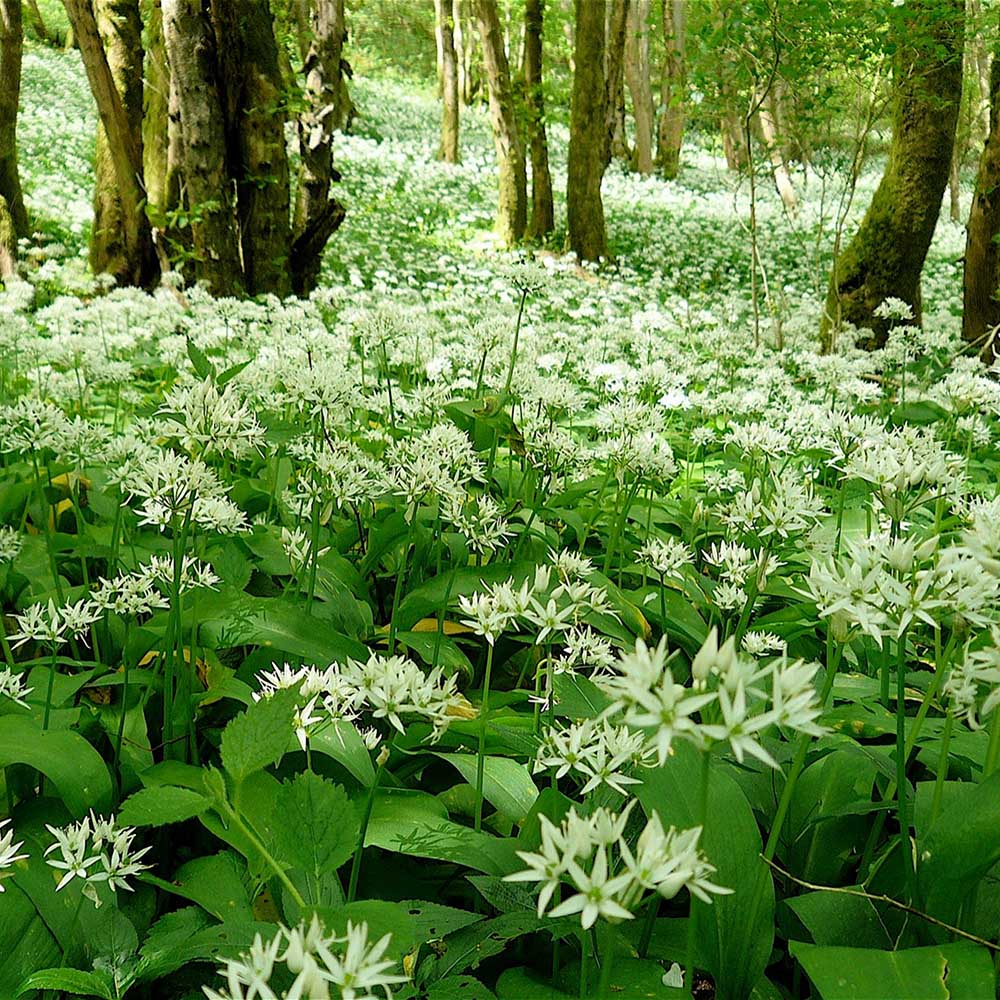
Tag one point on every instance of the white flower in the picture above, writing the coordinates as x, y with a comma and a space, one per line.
8, 850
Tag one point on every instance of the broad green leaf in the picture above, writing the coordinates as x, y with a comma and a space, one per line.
75, 768
459, 988
960, 848
160, 805
945, 972
317, 828
506, 783
216, 882
836, 918
259, 737
433, 920
578, 697
26, 943
523, 984
341, 741
631, 979
75, 981
735, 932
381, 916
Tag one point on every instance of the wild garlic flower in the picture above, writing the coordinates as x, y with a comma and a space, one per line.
316, 961
12, 686
596, 753
96, 850
51, 625
211, 422
666, 557
644, 691
970, 678
298, 547
592, 855
8, 851
11, 541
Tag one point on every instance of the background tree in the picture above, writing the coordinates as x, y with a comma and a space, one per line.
445, 30
886, 255
673, 87
13, 215
512, 202
542, 212
124, 146
637, 74
981, 291
589, 138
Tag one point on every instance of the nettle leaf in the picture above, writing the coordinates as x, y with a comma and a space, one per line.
946, 972
459, 988
161, 805
433, 920
75, 768
75, 981
319, 826
259, 737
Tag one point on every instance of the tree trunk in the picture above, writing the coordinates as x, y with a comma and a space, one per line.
208, 193
542, 212
445, 29
11, 49
8, 242
252, 87
111, 248
38, 23
124, 146
767, 115
981, 315
156, 103
670, 134
512, 207
887, 254
317, 215
616, 24
465, 45
589, 136
638, 75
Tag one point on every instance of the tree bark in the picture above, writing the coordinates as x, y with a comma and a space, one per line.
542, 211
589, 136
112, 247
11, 49
445, 30
156, 104
637, 73
257, 159
614, 69
887, 253
8, 242
124, 145
512, 206
208, 193
981, 292
670, 133
317, 215
465, 45
767, 116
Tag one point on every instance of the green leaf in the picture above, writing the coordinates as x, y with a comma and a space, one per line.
341, 741
203, 368
578, 697
946, 972
75, 981
26, 943
215, 882
433, 920
523, 984
318, 826
259, 737
734, 934
161, 805
836, 918
459, 988
960, 848
630, 979
506, 783
75, 768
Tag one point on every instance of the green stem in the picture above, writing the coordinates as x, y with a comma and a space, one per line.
607, 961
901, 782
383, 759
706, 762
484, 708
942, 769
584, 960
993, 748
401, 578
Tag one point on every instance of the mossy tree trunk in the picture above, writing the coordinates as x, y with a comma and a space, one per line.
445, 30
615, 29
11, 49
512, 202
190, 44
542, 211
124, 146
673, 87
112, 247
981, 293
317, 215
589, 139
253, 105
637, 73
156, 105
886, 255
